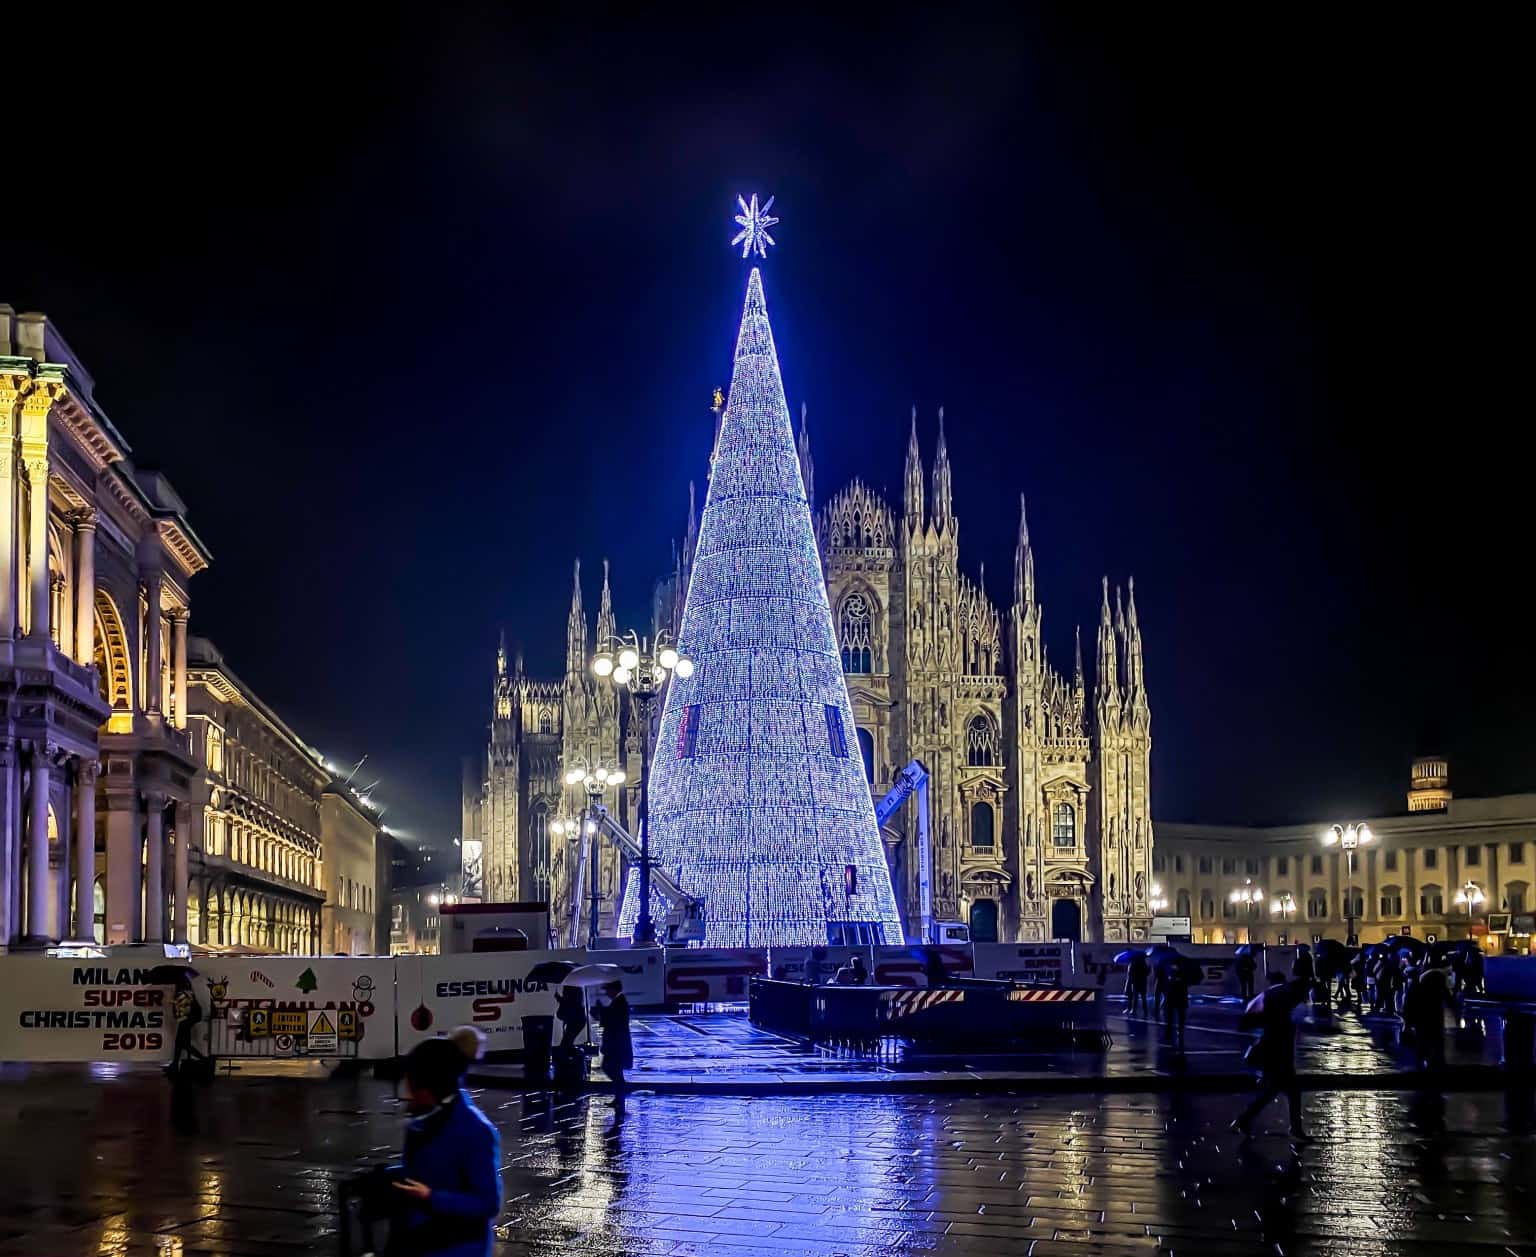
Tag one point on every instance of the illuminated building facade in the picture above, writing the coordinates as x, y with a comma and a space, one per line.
96, 560
1040, 796
1411, 878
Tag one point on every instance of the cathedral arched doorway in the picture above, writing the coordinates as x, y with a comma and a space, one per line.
984, 921
1066, 920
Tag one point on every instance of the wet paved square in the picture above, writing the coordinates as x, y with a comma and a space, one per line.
91, 1166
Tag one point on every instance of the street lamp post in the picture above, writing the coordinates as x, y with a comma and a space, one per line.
1468, 897
1284, 907
594, 781
1251, 895
641, 665
1349, 837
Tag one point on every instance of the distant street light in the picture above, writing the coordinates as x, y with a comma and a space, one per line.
594, 781
641, 666
1468, 897
1159, 901
1283, 906
1249, 894
1348, 837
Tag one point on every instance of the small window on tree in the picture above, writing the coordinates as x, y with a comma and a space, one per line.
836, 737
688, 732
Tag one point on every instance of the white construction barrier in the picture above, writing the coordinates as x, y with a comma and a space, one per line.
815, 965
262, 1000
709, 975
1044, 964
492, 991
910, 965
82, 1010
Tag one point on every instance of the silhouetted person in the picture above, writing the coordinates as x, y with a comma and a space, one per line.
933, 968
1136, 975
853, 973
1306, 970
1273, 1055
618, 1047
1246, 968
1174, 985
571, 1009
188, 1013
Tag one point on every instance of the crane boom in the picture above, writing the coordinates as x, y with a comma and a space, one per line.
913, 779
685, 920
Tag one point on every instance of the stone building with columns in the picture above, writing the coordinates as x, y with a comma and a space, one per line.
1039, 782
258, 877
96, 561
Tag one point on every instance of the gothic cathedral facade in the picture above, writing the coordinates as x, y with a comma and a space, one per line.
1039, 792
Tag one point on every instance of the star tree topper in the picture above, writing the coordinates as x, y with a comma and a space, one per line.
754, 224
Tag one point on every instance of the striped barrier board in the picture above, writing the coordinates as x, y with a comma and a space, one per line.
1051, 995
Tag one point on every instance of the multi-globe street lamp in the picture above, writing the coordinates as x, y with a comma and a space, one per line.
1348, 838
1249, 894
594, 781
642, 666
1468, 897
1159, 901
1283, 906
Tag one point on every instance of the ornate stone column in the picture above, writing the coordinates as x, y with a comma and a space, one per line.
85, 587
179, 928
10, 393
85, 850
37, 545
179, 666
154, 867
156, 680
37, 846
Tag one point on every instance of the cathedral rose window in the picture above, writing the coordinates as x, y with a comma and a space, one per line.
854, 631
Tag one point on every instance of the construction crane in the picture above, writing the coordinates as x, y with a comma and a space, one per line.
913, 779
684, 921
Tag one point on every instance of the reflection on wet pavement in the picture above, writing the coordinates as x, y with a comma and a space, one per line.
92, 1167
721, 1045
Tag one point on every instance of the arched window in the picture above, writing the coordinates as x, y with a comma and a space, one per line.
1317, 905
1183, 904
1064, 825
1207, 905
99, 910
1391, 901
867, 753
1354, 902
980, 742
546, 721
854, 634
981, 826
1515, 896
538, 833
1431, 901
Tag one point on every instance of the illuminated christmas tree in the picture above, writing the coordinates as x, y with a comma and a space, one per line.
758, 801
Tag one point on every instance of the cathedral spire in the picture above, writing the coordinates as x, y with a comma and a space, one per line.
807, 466
576, 633
501, 655
912, 490
1023, 565
606, 629
1136, 690
1107, 682
1077, 666
943, 505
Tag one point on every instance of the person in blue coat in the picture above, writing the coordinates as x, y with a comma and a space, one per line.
451, 1184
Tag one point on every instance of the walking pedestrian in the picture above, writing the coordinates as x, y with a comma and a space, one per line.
618, 1047
188, 1013
1305, 968
1273, 1053
571, 1009
1136, 975
1246, 967
450, 1183
1175, 989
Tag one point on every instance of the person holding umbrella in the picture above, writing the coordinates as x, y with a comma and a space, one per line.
1273, 1054
1173, 984
1137, 971
618, 1047
1246, 967
1424, 1013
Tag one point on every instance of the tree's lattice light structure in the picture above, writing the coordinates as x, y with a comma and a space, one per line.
754, 223
757, 802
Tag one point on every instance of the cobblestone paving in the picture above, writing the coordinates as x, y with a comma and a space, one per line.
92, 1167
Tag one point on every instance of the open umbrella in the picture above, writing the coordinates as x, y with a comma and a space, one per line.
1192, 971
171, 973
1407, 945
1244, 950
552, 971
588, 976
1125, 957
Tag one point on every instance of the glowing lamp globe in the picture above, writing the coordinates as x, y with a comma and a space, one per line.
685, 668
616, 777
621, 676
628, 659
667, 658
603, 665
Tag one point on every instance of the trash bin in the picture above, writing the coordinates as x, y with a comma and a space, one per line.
1519, 1040
538, 1035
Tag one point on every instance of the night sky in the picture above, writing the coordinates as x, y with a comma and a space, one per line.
414, 308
